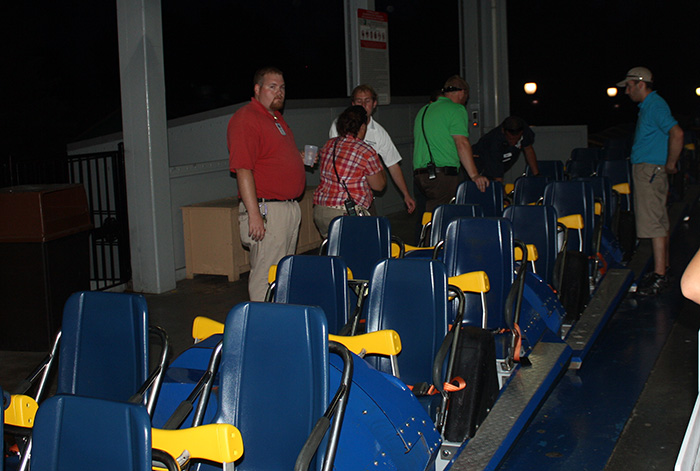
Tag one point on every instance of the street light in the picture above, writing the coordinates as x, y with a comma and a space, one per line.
612, 91
697, 91
530, 88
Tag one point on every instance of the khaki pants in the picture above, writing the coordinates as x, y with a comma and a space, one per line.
650, 192
281, 232
323, 215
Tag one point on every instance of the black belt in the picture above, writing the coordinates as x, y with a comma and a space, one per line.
271, 200
446, 170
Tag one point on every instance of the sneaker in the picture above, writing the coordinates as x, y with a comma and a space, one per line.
647, 278
653, 285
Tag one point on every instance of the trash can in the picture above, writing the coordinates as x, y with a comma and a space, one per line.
44, 258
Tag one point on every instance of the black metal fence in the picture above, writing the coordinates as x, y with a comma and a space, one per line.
33, 171
103, 176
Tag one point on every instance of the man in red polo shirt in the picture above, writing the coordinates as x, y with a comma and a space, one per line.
271, 177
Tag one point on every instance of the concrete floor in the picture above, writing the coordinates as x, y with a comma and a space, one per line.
654, 431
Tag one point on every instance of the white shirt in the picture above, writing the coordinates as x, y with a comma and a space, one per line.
379, 139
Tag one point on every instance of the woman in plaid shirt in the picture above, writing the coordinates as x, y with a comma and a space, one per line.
350, 169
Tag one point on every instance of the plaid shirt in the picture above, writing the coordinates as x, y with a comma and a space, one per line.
354, 160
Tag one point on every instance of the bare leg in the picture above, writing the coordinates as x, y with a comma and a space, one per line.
660, 249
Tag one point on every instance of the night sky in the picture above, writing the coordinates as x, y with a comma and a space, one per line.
575, 50
61, 71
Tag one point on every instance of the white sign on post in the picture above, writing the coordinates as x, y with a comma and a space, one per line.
373, 35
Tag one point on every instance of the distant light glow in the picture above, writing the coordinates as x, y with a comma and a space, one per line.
530, 88
612, 91
697, 91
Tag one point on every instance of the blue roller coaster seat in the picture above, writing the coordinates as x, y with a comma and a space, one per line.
590, 154
410, 297
73, 432
482, 244
104, 345
273, 380
529, 190
445, 213
491, 200
618, 171
537, 225
315, 280
574, 197
580, 168
374, 433
361, 241
437, 227
602, 190
554, 169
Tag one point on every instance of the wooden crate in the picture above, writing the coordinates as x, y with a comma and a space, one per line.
213, 243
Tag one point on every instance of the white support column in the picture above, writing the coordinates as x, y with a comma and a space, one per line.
484, 61
352, 48
146, 144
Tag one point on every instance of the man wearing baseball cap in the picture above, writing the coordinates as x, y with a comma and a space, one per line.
658, 141
441, 145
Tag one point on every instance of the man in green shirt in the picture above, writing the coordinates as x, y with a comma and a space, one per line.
441, 145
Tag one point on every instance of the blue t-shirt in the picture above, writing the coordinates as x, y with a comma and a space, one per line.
654, 121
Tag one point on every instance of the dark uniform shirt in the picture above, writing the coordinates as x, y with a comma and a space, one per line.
495, 155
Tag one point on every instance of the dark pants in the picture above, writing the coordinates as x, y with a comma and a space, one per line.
439, 190
373, 209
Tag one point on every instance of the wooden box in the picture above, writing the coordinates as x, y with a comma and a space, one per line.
213, 243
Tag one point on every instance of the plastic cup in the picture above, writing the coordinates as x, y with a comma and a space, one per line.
310, 153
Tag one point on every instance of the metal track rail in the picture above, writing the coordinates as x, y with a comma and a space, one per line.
605, 300
520, 400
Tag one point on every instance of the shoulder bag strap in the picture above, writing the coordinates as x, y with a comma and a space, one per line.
422, 125
335, 145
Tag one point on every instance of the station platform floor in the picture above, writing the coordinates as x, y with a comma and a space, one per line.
628, 405
626, 408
